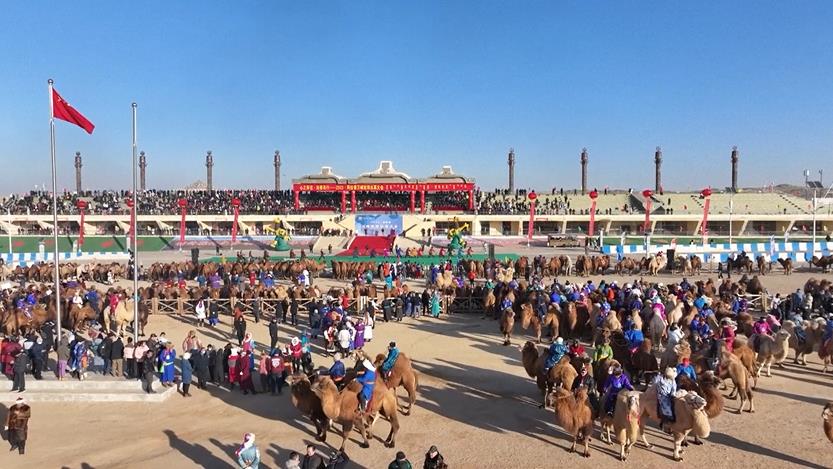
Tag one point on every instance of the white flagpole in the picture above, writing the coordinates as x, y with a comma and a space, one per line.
57, 275
133, 242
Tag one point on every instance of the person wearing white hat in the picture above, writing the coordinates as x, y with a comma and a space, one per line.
248, 456
17, 424
367, 378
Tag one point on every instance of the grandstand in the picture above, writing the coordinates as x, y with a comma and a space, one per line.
329, 204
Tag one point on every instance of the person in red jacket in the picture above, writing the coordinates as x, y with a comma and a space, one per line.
296, 349
245, 366
233, 367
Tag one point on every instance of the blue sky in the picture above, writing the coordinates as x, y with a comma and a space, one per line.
424, 84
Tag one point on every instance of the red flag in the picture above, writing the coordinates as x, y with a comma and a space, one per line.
62, 110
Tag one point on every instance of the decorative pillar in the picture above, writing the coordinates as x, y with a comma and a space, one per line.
471, 200
647, 194
277, 164
511, 170
143, 163
584, 159
592, 228
530, 229
297, 196
78, 171
209, 170
735, 169
413, 202
82, 206
353, 202
658, 170
422, 202
343, 201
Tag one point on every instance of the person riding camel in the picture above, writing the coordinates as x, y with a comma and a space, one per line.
828, 331
604, 311
666, 386
727, 333
603, 351
367, 378
390, 360
616, 381
585, 380
337, 371
576, 349
684, 368
556, 351
761, 327
635, 337
77, 300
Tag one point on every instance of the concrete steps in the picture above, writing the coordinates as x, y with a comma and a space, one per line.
90, 390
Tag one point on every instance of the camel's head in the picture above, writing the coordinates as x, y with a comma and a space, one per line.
529, 348
693, 400
827, 413
782, 335
633, 403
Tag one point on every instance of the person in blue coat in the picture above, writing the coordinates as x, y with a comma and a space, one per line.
166, 365
187, 373
367, 379
556, 351
634, 337
685, 369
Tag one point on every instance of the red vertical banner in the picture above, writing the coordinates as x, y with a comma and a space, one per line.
82, 206
235, 203
413, 202
471, 200
343, 201
183, 207
353, 207
422, 202
132, 209
297, 199
706, 194
594, 194
648, 194
532, 196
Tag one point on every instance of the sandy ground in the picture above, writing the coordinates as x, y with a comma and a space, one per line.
475, 403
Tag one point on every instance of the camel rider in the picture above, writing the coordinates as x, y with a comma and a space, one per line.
828, 330
604, 311
390, 360
92, 299
585, 380
675, 335
616, 381
367, 378
761, 327
603, 351
556, 351
666, 386
576, 349
505, 304
77, 300
541, 306
337, 371
684, 368
727, 333
634, 337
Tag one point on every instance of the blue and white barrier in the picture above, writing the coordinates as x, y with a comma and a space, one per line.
720, 252
27, 258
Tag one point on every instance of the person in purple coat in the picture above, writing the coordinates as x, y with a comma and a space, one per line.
358, 340
616, 381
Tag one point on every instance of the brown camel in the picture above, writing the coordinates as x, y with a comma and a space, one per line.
530, 319
625, 422
689, 410
308, 404
813, 330
772, 350
507, 322
402, 374
561, 375
732, 367
574, 415
343, 407
827, 415
787, 265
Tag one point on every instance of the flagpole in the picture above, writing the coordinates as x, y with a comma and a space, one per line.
56, 276
133, 242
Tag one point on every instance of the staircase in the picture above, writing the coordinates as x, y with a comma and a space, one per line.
94, 389
339, 243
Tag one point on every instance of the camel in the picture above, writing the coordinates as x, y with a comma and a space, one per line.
627, 264
77, 315
772, 350
826, 354
787, 265
625, 422
530, 319
732, 367
706, 387
689, 410
656, 264
696, 264
827, 415
402, 374
561, 375
813, 330
343, 407
657, 329
763, 265
124, 316
574, 415
673, 355
308, 404
507, 322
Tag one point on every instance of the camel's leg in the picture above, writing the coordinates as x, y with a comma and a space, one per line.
642, 433
769, 367
573, 447
587, 446
678, 456
697, 441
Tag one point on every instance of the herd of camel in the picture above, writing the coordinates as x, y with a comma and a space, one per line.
696, 403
